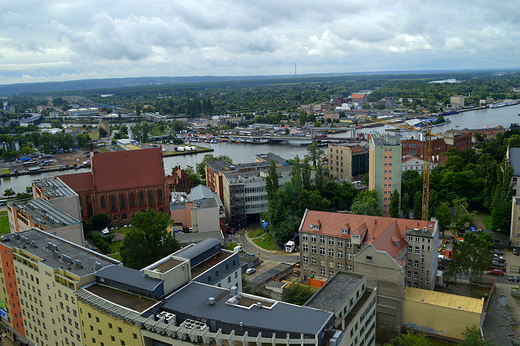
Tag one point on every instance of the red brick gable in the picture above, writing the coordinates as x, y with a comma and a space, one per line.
127, 169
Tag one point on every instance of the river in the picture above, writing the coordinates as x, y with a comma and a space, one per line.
239, 153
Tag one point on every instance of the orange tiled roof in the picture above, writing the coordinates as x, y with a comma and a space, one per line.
381, 232
358, 96
79, 182
127, 169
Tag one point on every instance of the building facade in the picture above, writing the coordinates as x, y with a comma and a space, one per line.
179, 181
384, 169
348, 163
391, 253
459, 141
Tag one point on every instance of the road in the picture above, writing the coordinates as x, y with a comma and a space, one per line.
278, 256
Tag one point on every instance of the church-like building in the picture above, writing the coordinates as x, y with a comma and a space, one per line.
121, 184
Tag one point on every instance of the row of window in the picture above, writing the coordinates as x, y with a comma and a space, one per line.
254, 189
122, 199
330, 240
339, 253
330, 264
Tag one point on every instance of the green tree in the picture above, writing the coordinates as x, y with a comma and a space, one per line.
26, 150
140, 131
503, 190
100, 221
406, 206
433, 203
472, 337
444, 215
201, 166
305, 169
366, 203
471, 257
411, 339
394, 204
461, 213
102, 132
9, 192
246, 286
318, 178
417, 206
149, 239
296, 294
83, 140
271, 180
314, 152
501, 217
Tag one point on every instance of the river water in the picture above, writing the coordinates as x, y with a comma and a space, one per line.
241, 153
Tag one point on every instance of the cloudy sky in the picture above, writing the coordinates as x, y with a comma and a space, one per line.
54, 40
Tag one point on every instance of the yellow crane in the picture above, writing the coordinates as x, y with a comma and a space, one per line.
426, 172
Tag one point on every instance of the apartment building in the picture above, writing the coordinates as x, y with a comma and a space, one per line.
353, 305
391, 253
514, 235
348, 163
42, 273
242, 188
384, 169
412, 163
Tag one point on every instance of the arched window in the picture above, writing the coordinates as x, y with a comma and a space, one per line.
150, 197
160, 196
132, 199
141, 198
102, 202
122, 201
113, 202
124, 216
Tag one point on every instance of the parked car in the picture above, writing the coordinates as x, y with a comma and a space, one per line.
250, 271
514, 279
498, 264
499, 258
499, 252
498, 272
516, 251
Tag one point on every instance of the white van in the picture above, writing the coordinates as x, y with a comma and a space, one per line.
238, 249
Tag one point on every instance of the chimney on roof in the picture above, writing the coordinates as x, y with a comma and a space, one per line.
375, 221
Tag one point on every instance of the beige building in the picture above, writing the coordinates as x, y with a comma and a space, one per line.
439, 313
391, 253
457, 101
348, 163
384, 170
514, 235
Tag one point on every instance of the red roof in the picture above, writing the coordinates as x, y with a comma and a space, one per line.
79, 182
381, 232
358, 96
127, 169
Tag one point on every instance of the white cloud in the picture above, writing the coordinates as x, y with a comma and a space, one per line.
58, 40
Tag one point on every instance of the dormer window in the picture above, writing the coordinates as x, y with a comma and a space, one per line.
316, 225
345, 229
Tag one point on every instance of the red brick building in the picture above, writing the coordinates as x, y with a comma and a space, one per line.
121, 184
415, 147
361, 98
179, 181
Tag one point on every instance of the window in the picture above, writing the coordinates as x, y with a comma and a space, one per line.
132, 199
331, 264
102, 202
313, 238
410, 249
409, 264
331, 253
349, 244
340, 254
349, 255
160, 196
304, 237
322, 272
150, 198
229, 279
305, 248
348, 267
313, 249
322, 239
340, 266
416, 264
322, 263
369, 258
322, 251
331, 241
408, 275
135, 335
141, 198
122, 201
119, 329
113, 202
313, 260
305, 259
340, 242
331, 273
415, 276
416, 250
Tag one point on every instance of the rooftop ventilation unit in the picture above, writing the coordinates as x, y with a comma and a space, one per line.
55, 253
211, 301
33, 243
5, 237
98, 265
79, 264
67, 258
52, 246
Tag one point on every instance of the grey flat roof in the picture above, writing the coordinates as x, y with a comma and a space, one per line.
75, 252
129, 276
331, 295
193, 300
514, 158
200, 192
193, 251
44, 213
54, 188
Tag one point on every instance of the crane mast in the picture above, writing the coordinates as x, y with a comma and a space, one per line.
426, 172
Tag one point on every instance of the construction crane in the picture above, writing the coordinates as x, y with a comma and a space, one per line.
427, 156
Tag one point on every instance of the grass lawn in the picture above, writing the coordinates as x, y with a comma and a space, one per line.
266, 242
3, 213
488, 221
116, 257
257, 233
231, 246
4, 224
